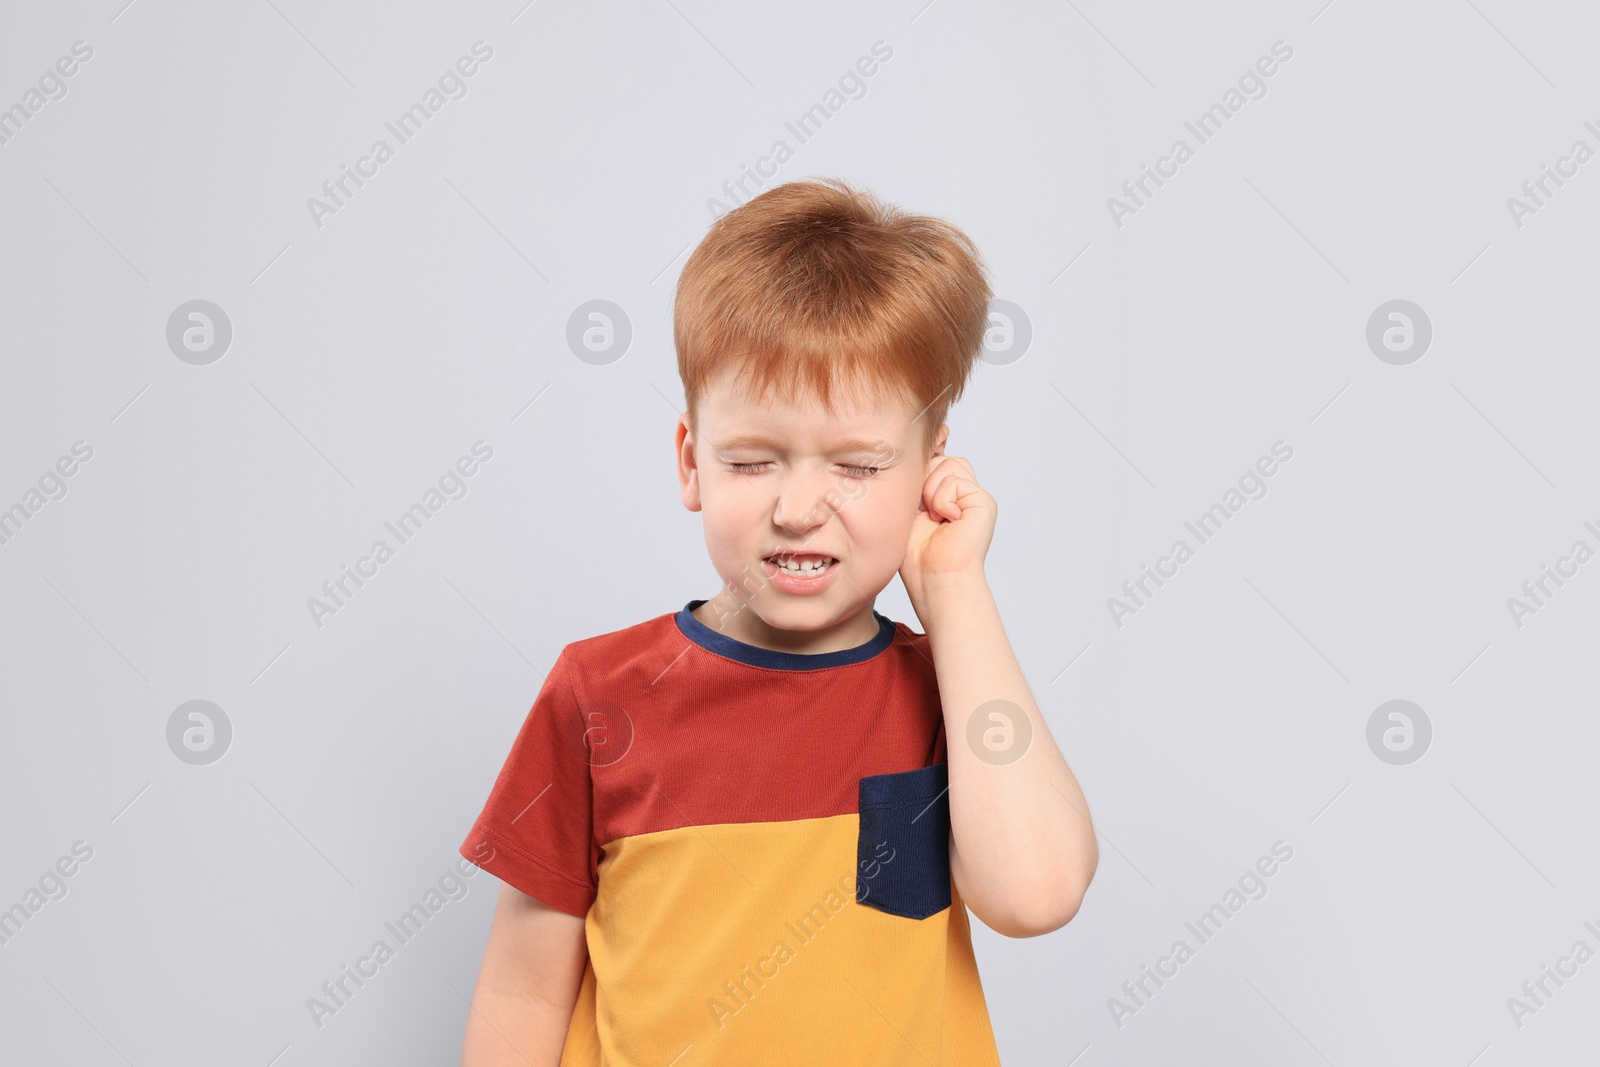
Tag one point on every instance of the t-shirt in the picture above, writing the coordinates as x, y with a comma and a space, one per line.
758, 842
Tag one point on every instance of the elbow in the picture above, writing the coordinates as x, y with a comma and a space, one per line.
1046, 918
1056, 898
1041, 912
1043, 901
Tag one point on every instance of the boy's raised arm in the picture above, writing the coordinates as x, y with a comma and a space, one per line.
532, 968
1022, 849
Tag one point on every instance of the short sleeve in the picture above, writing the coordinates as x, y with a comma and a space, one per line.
535, 832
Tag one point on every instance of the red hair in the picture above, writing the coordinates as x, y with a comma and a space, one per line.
814, 286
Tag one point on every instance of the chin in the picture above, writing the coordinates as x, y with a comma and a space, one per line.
785, 614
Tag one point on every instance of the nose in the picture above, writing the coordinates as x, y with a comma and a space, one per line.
805, 501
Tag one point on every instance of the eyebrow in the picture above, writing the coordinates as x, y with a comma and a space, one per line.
858, 444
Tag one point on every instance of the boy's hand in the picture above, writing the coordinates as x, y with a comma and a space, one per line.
951, 533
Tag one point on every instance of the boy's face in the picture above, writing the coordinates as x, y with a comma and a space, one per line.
834, 492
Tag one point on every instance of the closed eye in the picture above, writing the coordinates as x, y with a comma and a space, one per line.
853, 471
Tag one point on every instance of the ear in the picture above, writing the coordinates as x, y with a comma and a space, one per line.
939, 439
688, 471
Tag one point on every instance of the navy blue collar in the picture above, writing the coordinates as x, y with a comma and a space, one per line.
723, 645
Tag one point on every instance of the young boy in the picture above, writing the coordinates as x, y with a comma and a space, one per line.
748, 832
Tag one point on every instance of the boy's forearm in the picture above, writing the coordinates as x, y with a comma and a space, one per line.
1023, 849
513, 1030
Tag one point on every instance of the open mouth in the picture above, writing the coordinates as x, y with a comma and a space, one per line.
801, 565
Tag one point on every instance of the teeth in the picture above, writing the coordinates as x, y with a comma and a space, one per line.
807, 567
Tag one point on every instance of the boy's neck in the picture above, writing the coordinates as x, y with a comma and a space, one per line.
732, 617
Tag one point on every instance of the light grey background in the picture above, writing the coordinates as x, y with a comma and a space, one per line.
1167, 354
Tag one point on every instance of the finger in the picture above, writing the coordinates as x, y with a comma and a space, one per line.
952, 466
932, 488
947, 496
957, 461
965, 494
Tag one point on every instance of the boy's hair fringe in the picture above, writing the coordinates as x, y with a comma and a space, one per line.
815, 286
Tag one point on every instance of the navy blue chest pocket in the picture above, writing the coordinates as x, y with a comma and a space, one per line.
903, 844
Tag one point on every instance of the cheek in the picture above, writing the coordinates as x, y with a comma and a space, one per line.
881, 524
722, 525
730, 518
